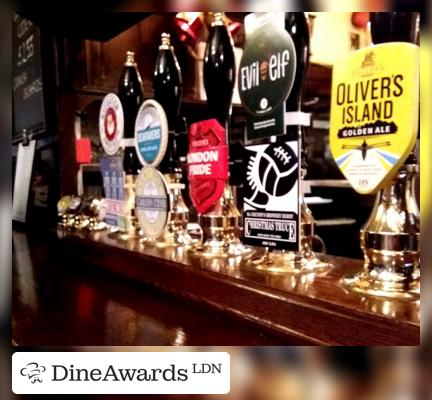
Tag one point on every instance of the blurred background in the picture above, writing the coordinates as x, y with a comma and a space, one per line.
273, 372
313, 373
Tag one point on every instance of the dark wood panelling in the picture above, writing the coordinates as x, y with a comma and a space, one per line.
68, 167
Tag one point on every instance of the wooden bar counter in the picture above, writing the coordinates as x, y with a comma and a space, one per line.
145, 295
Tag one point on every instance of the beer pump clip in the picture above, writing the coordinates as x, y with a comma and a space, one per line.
111, 129
373, 130
160, 209
275, 215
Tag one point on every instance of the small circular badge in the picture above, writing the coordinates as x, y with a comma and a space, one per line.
151, 202
111, 124
151, 133
63, 205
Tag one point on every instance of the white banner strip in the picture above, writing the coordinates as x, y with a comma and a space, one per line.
180, 186
297, 118
120, 373
128, 142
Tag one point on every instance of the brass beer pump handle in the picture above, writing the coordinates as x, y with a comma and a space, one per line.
390, 239
220, 224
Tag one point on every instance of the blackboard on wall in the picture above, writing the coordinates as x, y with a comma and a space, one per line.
29, 106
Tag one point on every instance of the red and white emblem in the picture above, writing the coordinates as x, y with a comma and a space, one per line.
111, 124
207, 161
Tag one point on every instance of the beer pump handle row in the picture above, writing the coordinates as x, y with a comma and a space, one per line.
275, 216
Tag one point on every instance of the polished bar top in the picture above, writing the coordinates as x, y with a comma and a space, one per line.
304, 309
60, 301
143, 295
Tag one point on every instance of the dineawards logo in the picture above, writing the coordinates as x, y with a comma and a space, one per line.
33, 371
121, 373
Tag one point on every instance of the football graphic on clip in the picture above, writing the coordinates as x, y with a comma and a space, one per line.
270, 173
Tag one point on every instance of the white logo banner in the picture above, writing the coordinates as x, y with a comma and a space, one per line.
120, 372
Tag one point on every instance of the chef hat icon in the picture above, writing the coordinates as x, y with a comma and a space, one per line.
33, 371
